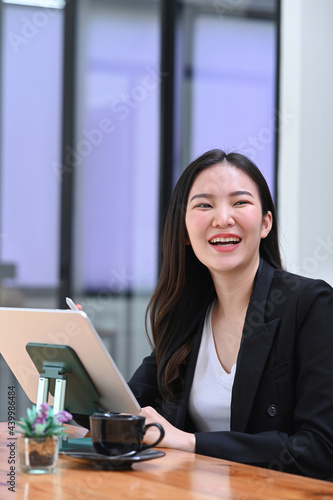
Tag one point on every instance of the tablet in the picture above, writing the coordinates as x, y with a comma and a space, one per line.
23, 327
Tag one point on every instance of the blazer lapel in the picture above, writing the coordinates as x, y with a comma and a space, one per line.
255, 346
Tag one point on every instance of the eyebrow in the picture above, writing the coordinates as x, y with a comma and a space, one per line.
202, 195
210, 196
239, 193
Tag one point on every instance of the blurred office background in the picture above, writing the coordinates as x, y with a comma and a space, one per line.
104, 102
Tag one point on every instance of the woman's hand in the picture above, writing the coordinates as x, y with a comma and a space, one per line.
174, 438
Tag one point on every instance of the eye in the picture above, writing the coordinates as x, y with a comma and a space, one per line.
242, 202
203, 205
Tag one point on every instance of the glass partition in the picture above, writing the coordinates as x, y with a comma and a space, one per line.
31, 119
116, 160
234, 86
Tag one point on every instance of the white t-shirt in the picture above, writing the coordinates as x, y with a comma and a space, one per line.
210, 397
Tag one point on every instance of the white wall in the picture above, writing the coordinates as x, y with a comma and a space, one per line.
305, 172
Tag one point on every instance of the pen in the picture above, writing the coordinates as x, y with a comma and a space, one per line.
71, 304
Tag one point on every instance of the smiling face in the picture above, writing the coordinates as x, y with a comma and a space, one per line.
224, 219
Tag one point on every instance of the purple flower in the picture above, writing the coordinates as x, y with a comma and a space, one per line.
44, 410
41, 415
63, 416
40, 419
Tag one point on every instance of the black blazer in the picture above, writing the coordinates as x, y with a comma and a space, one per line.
282, 397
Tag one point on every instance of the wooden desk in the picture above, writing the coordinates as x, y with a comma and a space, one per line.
176, 476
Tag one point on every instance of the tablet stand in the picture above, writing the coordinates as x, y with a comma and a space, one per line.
63, 375
54, 373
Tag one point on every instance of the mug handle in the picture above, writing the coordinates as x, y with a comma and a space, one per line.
161, 436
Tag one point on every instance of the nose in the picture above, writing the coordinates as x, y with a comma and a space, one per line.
223, 217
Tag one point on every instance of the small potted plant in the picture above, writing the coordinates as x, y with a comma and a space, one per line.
38, 445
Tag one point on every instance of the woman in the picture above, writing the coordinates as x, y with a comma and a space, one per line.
241, 367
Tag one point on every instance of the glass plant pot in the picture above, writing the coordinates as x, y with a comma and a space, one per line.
38, 455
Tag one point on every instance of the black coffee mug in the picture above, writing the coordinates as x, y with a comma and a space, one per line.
120, 434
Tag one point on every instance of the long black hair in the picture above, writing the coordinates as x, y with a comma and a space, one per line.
185, 287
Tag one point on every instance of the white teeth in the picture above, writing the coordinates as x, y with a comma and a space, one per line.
225, 240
